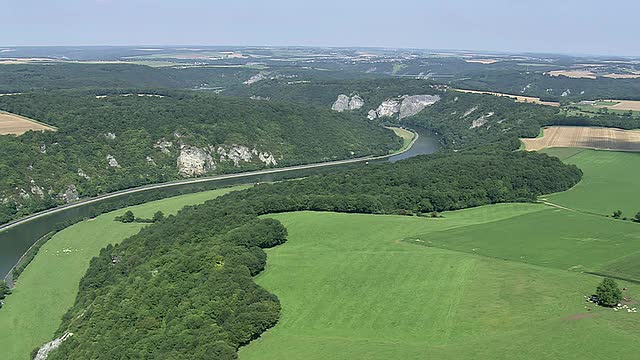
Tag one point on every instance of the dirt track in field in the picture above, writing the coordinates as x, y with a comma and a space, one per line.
18, 125
586, 137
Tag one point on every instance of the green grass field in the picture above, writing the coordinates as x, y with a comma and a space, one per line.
351, 288
48, 286
609, 182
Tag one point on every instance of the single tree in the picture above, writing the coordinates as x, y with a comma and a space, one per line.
608, 292
637, 217
158, 216
128, 217
617, 214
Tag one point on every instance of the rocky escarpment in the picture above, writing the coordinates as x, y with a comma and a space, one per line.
196, 161
404, 106
344, 102
43, 352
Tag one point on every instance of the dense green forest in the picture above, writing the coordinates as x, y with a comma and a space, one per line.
107, 141
182, 288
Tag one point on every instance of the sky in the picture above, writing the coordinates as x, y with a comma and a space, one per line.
558, 26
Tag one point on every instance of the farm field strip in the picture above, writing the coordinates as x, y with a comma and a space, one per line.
518, 98
585, 137
18, 125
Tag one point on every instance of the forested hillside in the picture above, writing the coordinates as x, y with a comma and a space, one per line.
183, 288
110, 140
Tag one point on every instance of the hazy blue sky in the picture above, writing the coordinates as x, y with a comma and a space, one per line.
565, 26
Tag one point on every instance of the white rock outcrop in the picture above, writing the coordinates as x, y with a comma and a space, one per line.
481, 120
344, 102
388, 107
110, 136
241, 153
112, 161
412, 105
45, 349
83, 175
194, 161
36, 190
163, 145
341, 104
71, 194
255, 78
372, 115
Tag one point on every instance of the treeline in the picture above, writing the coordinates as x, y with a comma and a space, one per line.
183, 289
38, 167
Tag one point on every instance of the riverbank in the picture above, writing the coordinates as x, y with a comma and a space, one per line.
48, 286
11, 249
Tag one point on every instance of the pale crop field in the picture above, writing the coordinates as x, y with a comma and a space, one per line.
518, 98
575, 74
18, 125
585, 137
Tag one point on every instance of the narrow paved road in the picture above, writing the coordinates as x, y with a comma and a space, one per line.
200, 180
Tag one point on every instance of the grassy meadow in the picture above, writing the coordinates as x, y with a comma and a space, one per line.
609, 182
47, 288
356, 287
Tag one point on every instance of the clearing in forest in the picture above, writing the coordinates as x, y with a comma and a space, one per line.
585, 137
18, 125
625, 105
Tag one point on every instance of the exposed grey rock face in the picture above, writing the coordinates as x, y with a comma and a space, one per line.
71, 194
163, 145
388, 107
481, 121
194, 161
255, 78
341, 104
241, 153
43, 149
267, 159
256, 97
150, 160
110, 136
44, 351
412, 105
356, 102
344, 102
112, 161
372, 115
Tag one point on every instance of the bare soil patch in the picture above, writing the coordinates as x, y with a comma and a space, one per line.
586, 137
18, 125
518, 98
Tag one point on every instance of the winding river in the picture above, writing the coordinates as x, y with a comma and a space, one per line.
18, 236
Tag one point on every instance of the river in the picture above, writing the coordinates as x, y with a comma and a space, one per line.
15, 241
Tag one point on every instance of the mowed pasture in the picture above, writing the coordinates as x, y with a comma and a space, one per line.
18, 125
367, 287
609, 183
48, 287
585, 137
575, 74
